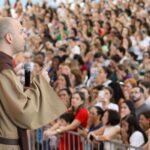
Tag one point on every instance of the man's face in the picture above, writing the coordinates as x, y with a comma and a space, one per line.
136, 94
18, 37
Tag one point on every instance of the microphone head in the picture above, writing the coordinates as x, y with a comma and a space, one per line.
27, 67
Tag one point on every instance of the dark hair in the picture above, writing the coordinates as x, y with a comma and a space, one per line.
132, 54
56, 57
111, 91
99, 110
77, 75
79, 59
68, 117
128, 11
141, 89
113, 117
122, 50
145, 83
68, 84
107, 71
146, 114
116, 58
133, 125
74, 31
40, 53
131, 106
98, 87
82, 96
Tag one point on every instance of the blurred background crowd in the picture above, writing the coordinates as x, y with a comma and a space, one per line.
97, 47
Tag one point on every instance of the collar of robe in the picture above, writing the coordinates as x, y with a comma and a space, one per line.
6, 62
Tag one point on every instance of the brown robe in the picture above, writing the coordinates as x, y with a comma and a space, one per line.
37, 106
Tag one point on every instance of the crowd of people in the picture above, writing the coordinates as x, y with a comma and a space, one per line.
97, 54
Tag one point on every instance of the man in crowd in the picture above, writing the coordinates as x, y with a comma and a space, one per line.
137, 96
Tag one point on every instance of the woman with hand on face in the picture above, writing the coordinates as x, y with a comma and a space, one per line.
132, 133
106, 98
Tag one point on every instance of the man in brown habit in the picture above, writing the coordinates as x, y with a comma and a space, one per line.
35, 107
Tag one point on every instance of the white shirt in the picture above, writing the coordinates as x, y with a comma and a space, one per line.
136, 139
147, 101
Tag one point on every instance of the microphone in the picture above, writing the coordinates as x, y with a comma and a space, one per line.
27, 68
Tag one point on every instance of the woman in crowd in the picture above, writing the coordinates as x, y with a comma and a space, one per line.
126, 108
65, 95
144, 121
62, 82
128, 85
110, 130
105, 100
132, 133
80, 119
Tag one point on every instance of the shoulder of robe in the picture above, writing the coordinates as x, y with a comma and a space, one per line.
4, 67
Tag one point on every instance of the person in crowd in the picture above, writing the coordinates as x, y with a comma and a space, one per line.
137, 96
87, 95
94, 123
110, 130
127, 107
65, 96
128, 85
94, 92
147, 75
144, 121
75, 78
132, 133
52, 72
64, 119
103, 78
146, 87
105, 100
63, 81
39, 57
80, 118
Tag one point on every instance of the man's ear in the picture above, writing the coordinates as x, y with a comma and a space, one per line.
9, 38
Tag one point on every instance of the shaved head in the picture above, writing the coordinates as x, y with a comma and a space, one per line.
12, 35
5, 26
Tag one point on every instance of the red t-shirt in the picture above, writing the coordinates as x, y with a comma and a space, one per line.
69, 141
82, 116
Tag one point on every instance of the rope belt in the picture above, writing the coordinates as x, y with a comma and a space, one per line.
9, 141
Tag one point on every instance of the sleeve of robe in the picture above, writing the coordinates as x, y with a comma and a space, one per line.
36, 107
